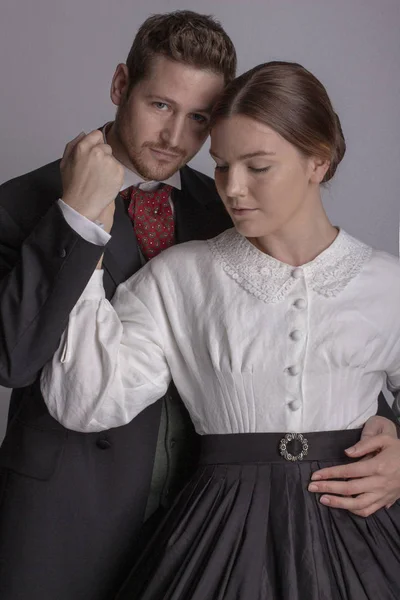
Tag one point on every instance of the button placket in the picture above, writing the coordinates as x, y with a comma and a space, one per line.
295, 405
294, 370
296, 335
300, 303
297, 273
297, 322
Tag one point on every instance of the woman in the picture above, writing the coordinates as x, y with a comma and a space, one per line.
283, 324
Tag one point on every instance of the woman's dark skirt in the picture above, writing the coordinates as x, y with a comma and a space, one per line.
246, 528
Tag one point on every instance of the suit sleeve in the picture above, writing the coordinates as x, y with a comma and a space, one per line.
106, 377
391, 356
42, 276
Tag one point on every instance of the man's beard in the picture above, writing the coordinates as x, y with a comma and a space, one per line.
157, 172
137, 159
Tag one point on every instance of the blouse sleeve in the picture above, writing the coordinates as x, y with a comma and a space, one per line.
110, 364
393, 382
393, 378
393, 368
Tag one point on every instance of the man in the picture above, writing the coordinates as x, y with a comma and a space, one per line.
71, 504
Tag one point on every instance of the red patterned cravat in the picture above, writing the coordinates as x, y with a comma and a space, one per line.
152, 218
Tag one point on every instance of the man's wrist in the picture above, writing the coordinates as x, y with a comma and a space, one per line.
81, 209
87, 229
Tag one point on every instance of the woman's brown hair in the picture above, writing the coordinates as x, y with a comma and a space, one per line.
293, 102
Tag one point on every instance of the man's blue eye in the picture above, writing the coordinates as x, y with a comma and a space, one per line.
160, 105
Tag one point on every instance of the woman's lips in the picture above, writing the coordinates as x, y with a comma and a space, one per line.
243, 211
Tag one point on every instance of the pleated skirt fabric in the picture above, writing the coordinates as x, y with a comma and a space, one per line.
245, 527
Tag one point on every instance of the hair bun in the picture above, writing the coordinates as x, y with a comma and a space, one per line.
338, 150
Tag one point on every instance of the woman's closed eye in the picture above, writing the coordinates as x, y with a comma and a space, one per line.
259, 169
224, 168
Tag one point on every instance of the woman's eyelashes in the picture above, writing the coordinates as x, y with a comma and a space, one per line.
259, 170
224, 168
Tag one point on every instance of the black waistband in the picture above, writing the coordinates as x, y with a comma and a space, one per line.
280, 447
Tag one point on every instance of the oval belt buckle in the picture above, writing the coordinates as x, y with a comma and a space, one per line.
290, 437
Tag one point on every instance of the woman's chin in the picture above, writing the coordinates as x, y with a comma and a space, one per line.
251, 230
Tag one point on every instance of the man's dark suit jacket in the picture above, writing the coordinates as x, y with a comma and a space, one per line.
71, 504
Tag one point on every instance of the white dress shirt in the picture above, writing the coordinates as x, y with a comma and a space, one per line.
252, 344
92, 231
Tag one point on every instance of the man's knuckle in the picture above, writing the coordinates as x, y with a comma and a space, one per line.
81, 147
380, 467
97, 152
334, 501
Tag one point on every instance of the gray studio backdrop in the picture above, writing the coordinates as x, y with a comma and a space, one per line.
57, 59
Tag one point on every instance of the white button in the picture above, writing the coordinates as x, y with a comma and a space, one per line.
293, 370
294, 405
300, 303
296, 335
297, 273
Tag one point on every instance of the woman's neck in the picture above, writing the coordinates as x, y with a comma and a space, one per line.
299, 241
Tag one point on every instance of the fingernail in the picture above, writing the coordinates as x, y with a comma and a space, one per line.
350, 450
313, 487
315, 477
325, 500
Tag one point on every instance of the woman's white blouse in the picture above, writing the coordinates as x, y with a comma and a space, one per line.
252, 344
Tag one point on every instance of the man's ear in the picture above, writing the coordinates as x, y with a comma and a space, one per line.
119, 84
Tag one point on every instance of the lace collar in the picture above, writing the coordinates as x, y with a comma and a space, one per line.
271, 280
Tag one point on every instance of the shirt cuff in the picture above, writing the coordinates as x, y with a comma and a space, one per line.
393, 384
88, 230
94, 289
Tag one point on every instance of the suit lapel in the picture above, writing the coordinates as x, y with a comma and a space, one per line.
121, 256
199, 215
195, 218
191, 217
